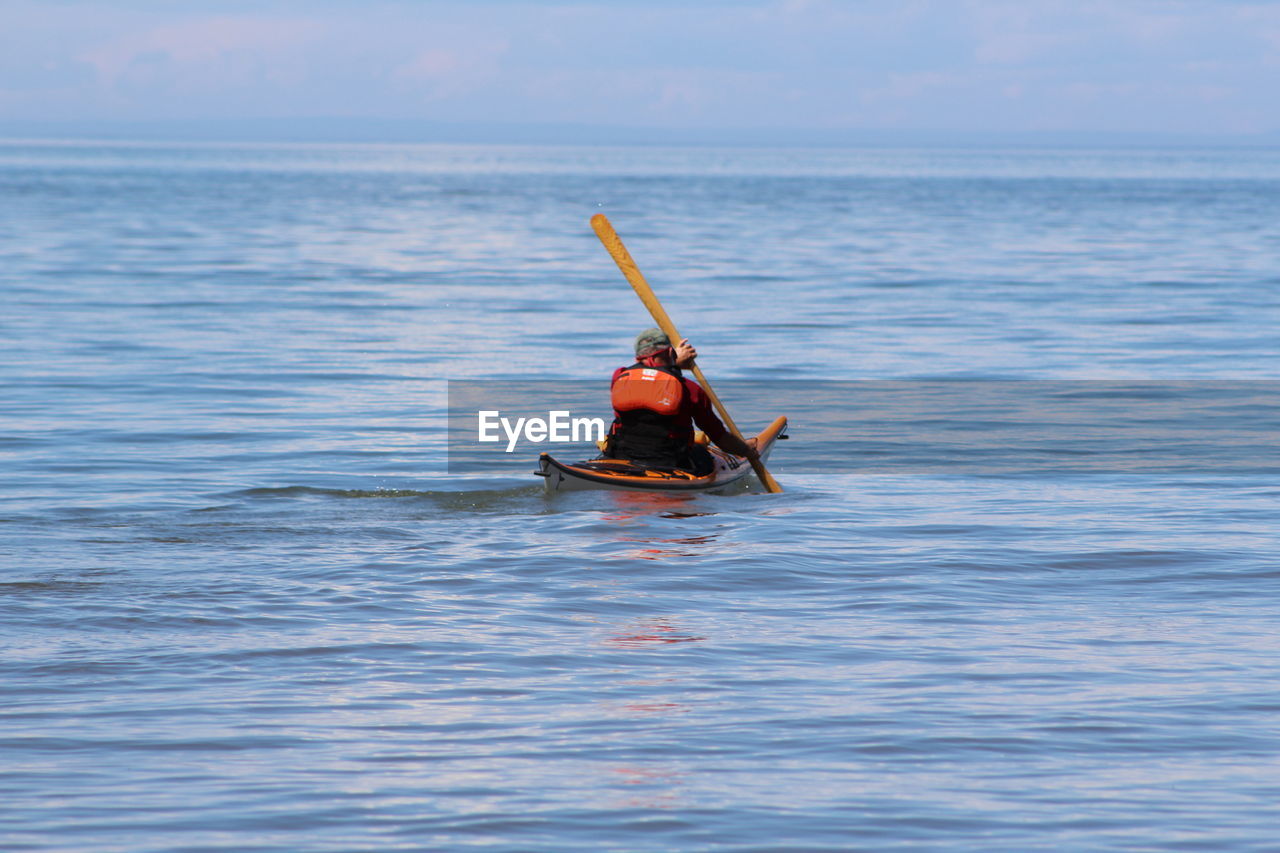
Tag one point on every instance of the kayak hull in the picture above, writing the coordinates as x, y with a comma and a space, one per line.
621, 475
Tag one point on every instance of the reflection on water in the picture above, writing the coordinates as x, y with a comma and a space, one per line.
649, 786
629, 505
630, 510
664, 553
651, 632
659, 788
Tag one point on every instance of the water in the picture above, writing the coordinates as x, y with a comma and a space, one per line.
243, 606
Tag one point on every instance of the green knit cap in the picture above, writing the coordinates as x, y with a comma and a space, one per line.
650, 341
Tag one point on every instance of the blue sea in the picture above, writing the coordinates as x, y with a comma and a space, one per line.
247, 605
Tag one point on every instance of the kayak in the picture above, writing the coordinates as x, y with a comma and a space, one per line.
622, 474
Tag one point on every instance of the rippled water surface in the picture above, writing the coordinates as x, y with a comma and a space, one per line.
245, 606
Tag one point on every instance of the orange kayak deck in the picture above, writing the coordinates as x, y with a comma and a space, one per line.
622, 474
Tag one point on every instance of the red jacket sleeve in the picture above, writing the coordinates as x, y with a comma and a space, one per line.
699, 405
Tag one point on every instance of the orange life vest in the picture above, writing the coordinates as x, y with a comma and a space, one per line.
649, 427
647, 388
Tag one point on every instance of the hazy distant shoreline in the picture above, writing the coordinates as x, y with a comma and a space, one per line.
421, 131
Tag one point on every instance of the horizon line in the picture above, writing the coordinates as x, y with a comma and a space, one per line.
339, 130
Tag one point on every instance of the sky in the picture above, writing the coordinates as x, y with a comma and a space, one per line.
815, 67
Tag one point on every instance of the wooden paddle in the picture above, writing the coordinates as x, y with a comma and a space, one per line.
612, 242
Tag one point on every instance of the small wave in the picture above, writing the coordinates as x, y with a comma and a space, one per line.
46, 586
444, 495
303, 491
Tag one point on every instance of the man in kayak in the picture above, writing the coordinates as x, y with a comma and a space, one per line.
655, 408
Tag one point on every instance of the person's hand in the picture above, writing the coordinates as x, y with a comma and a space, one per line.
751, 445
685, 353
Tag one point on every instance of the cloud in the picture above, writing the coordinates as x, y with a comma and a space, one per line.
185, 66
205, 41
439, 73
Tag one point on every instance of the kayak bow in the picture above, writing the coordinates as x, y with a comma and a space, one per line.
622, 474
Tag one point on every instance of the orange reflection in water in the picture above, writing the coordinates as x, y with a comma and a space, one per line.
656, 708
651, 632
651, 787
665, 784
642, 776
664, 553
629, 505
654, 786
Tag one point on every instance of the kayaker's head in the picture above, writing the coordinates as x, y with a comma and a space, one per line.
654, 348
